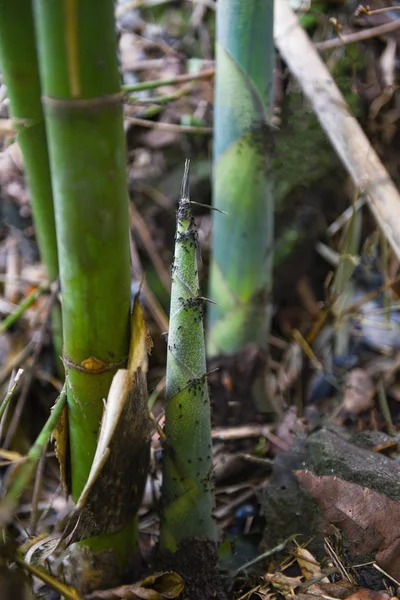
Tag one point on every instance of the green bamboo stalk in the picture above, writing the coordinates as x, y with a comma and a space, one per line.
84, 118
19, 66
242, 241
188, 489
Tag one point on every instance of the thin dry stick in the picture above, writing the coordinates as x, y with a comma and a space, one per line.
169, 126
158, 103
69, 593
7, 128
359, 36
345, 217
365, 10
344, 132
139, 225
16, 361
30, 372
155, 195
37, 488
241, 432
22, 477
152, 303
23, 306
149, 85
11, 391
384, 406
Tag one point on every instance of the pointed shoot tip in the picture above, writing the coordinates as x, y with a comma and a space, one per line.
185, 181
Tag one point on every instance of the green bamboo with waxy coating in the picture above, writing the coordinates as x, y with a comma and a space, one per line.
84, 120
242, 241
188, 488
19, 66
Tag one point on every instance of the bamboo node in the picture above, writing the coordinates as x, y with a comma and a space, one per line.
92, 365
78, 103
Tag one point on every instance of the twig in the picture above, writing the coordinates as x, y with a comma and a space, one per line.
12, 268
378, 568
41, 573
359, 36
152, 303
7, 127
23, 476
16, 361
366, 10
155, 195
306, 348
10, 392
239, 433
345, 217
23, 306
145, 64
29, 374
36, 492
139, 225
160, 387
266, 554
257, 460
353, 308
227, 509
343, 130
170, 126
160, 102
384, 406
149, 85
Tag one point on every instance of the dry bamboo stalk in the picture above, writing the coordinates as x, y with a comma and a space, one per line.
343, 130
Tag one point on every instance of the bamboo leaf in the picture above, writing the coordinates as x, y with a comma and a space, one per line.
154, 587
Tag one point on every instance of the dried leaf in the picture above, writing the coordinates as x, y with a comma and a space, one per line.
366, 594
41, 548
153, 587
260, 593
60, 437
359, 392
309, 566
168, 584
123, 592
370, 520
338, 589
286, 585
